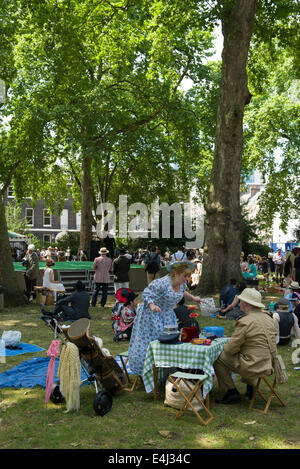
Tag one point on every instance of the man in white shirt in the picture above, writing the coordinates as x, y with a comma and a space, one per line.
278, 259
179, 255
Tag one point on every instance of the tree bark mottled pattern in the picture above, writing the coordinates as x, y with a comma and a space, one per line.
223, 221
12, 293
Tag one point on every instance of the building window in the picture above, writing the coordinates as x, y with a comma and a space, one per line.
46, 239
64, 218
78, 221
10, 191
47, 217
29, 215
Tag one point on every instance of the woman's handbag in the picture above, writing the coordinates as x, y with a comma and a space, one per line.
279, 369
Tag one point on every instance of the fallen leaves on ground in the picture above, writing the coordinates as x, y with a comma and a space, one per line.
165, 433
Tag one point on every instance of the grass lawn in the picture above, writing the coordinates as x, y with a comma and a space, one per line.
135, 420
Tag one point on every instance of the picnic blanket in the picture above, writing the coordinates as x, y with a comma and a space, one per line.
28, 374
22, 348
31, 373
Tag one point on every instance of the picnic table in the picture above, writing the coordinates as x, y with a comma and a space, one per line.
183, 355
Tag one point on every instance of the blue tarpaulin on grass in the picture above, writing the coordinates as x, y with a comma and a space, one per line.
28, 374
31, 373
22, 348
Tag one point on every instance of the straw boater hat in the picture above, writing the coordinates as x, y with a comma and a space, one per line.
252, 297
103, 251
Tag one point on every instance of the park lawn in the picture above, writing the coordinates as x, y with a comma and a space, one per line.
135, 420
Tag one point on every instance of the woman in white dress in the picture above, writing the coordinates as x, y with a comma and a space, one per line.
48, 279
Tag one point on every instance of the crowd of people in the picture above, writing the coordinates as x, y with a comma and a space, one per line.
43, 254
276, 266
162, 306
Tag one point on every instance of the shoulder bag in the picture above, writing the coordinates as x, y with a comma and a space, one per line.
277, 361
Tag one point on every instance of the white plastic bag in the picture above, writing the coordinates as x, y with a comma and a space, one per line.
174, 399
208, 307
11, 338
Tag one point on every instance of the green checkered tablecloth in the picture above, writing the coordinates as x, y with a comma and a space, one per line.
182, 355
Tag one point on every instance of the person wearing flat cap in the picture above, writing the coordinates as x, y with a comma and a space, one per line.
286, 322
247, 353
157, 311
102, 266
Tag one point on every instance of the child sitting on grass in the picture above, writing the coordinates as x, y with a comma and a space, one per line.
123, 314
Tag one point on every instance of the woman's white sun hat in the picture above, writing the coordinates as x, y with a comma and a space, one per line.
252, 297
188, 264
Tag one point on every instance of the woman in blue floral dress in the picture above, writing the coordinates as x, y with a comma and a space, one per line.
157, 310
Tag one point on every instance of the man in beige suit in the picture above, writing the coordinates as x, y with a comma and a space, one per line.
247, 352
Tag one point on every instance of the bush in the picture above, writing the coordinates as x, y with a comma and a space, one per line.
257, 248
70, 240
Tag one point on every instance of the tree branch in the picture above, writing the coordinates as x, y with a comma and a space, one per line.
145, 120
9, 177
78, 182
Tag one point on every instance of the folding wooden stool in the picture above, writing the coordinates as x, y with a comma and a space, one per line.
267, 400
124, 359
186, 378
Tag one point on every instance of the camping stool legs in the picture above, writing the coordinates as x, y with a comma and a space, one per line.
124, 359
134, 383
123, 356
269, 399
185, 377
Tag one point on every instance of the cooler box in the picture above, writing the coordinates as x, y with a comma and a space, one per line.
211, 331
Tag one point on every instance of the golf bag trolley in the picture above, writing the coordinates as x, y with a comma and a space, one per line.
101, 369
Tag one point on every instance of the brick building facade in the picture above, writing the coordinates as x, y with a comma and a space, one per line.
42, 224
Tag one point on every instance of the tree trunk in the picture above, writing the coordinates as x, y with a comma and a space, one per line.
86, 204
12, 293
221, 259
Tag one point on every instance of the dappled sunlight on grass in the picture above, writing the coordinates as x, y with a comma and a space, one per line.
209, 442
11, 323
272, 442
136, 419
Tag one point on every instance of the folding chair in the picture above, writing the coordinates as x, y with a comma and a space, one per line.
267, 400
198, 381
124, 359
